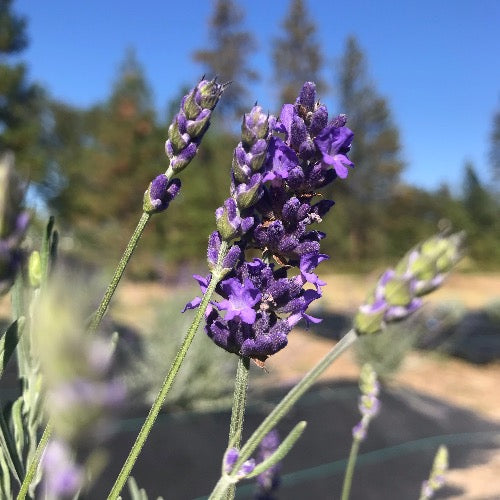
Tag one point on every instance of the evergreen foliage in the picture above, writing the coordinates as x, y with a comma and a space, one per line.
21, 102
227, 58
109, 152
376, 153
495, 147
483, 218
112, 150
297, 55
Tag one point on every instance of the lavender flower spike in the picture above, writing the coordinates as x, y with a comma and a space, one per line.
369, 403
190, 124
436, 479
398, 291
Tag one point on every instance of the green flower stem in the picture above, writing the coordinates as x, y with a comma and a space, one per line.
238, 410
281, 409
351, 463
34, 463
217, 275
103, 306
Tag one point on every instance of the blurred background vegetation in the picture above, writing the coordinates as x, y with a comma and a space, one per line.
90, 166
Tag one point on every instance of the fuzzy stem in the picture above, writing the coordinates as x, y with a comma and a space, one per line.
238, 410
101, 310
34, 463
282, 408
351, 463
167, 383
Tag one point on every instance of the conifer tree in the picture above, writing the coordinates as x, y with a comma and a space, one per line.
20, 101
495, 148
228, 56
483, 224
107, 157
477, 200
376, 153
297, 55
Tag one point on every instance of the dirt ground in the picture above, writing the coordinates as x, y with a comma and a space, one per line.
457, 382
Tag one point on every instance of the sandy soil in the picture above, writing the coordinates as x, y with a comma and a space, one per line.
459, 383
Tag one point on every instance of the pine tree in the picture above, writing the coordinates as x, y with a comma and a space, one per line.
228, 56
107, 156
477, 200
20, 101
483, 227
375, 153
495, 148
297, 56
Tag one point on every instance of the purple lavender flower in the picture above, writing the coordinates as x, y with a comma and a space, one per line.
231, 258
190, 124
230, 458
334, 144
269, 480
277, 168
261, 307
62, 477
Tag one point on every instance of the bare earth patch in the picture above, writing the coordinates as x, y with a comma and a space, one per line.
457, 382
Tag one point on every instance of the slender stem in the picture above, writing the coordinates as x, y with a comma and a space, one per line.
238, 410
101, 310
96, 320
239, 401
282, 408
295, 393
351, 463
167, 383
34, 462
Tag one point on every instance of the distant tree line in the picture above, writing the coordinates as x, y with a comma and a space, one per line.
91, 165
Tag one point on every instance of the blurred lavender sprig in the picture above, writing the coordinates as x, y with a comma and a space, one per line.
436, 478
82, 394
398, 291
13, 222
369, 404
268, 481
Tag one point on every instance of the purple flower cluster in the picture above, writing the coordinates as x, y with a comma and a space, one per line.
277, 169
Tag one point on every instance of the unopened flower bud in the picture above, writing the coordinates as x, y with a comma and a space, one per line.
228, 220
160, 193
255, 126
307, 96
429, 262
248, 194
210, 92
397, 293
190, 124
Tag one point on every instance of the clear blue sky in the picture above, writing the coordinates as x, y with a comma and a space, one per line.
437, 61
